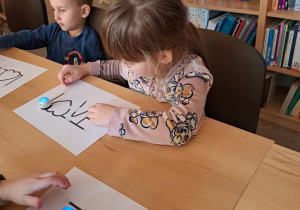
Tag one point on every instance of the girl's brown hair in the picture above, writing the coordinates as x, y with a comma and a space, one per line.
135, 30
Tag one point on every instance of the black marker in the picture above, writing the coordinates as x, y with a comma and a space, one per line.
72, 204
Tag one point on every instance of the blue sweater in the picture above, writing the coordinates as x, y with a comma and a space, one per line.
60, 47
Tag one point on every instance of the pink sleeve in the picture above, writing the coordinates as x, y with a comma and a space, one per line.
106, 69
173, 127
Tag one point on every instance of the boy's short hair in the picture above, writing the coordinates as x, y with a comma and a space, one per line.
82, 2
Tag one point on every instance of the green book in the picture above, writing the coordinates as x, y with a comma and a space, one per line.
293, 102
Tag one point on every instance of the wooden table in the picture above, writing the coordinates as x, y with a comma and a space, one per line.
276, 184
210, 172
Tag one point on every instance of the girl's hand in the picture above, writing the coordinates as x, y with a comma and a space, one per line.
71, 73
100, 114
21, 191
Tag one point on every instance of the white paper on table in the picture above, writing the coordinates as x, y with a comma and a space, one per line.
87, 193
14, 73
65, 121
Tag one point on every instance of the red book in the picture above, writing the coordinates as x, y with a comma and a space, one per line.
240, 27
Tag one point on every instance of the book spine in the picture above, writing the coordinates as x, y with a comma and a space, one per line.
198, 17
252, 37
282, 45
297, 5
288, 49
228, 24
220, 25
250, 29
291, 5
240, 28
269, 47
274, 47
295, 111
293, 102
283, 4
266, 43
280, 28
279, 4
296, 51
246, 25
204, 18
293, 46
236, 26
288, 98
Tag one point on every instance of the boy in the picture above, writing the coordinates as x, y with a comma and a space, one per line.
69, 40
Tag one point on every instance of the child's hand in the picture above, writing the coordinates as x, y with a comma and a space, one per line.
71, 73
21, 191
100, 114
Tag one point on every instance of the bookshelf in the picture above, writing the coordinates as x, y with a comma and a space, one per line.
261, 8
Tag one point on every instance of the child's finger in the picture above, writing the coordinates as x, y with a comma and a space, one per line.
30, 200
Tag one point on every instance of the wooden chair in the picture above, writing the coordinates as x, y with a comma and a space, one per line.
239, 76
94, 20
25, 14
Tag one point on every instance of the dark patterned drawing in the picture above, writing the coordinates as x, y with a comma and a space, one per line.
62, 108
8, 76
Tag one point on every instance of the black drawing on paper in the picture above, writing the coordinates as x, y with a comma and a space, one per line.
64, 110
8, 76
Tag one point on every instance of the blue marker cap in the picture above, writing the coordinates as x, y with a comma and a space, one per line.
44, 103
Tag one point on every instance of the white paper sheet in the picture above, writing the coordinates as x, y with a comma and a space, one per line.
14, 73
65, 121
87, 193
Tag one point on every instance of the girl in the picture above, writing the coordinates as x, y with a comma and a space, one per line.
160, 53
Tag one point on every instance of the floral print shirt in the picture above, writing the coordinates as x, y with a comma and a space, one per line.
185, 86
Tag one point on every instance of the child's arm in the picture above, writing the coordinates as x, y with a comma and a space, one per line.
108, 70
21, 191
173, 127
26, 39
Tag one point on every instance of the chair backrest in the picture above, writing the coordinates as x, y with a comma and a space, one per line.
94, 20
239, 77
25, 14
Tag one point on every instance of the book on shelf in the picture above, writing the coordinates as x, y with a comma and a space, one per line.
220, 24
270, 41
251, 39
245, 26
286, 28
192, 15
279, 41
296, 55
250, 29
270, 87
294, 87
293, 102
213, 22
228, 25
243, 21
206, 15
198, 18
274, 46
279, 4
297, 5
236, 26
296, 110
293, 46
288, 46
291, 4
